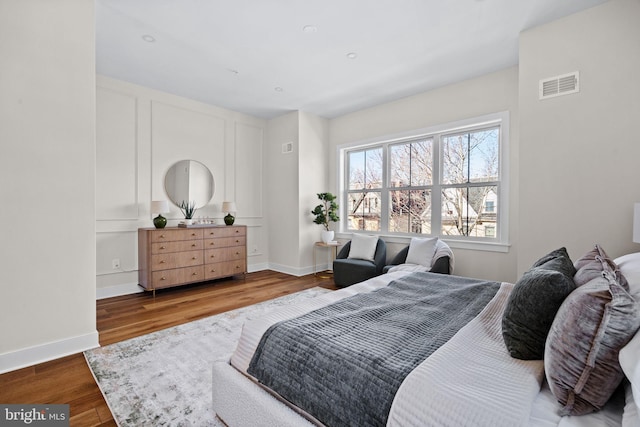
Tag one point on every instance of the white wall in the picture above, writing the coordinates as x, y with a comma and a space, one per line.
281, 184
491, 93
47, 170
579, 153
293, 180
313, 179
140, 134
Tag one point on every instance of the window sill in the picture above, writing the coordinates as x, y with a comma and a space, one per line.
453, 243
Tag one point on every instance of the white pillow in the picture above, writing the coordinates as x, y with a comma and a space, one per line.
363, 247
629, 357
629, 266
421, 251
630, 415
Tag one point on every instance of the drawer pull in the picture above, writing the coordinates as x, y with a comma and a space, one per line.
237, 253
193, 245
237, 241
193, 234
194, 257
213, 270
163, 278
194, 274
213, 256
162, 261
237, 231
162, 236
163, 247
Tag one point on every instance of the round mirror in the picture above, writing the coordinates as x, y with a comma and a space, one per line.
189, 181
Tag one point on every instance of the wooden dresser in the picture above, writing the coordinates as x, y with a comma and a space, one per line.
174, 256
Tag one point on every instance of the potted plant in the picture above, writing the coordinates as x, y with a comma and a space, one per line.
188, 210
325, 213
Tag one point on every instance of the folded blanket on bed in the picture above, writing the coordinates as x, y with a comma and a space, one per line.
344, 363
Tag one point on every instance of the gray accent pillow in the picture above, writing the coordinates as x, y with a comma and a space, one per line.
532, 306
557, 260
581, 354
591, 265
534, 302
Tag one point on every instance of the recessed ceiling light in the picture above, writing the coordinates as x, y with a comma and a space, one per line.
148, 38
310, 29
279, 89
352, 55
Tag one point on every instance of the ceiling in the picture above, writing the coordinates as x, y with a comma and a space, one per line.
325, 57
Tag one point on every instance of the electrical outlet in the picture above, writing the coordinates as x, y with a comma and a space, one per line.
115, 263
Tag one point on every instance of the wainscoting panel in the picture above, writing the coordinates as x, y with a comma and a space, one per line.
181, 134
116, 156
248, 176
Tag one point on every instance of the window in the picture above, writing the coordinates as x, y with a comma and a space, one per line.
444, 183
364, 191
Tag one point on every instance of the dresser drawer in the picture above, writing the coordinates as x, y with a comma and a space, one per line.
175, 260
224, 254
227, 231
176, 234
225, 242
224, 269
177, 276
178, 246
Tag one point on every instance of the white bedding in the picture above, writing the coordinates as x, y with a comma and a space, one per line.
463, 385
471, 380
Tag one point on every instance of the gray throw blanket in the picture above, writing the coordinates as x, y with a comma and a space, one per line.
344, 363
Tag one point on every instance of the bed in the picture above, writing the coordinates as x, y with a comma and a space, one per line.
326, 362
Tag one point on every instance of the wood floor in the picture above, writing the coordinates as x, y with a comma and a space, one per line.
69, 380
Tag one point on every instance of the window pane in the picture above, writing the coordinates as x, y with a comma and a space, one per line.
364, 211
470, 157
411, 164
410, 211
365, 169
484, 156
470, 211
356, 170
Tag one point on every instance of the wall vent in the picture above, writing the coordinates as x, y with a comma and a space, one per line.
559, 85
287, 147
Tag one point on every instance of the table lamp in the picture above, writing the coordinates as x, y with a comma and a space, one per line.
159, 207
229, 207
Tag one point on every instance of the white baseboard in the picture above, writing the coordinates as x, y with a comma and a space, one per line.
134, 288
257, 267
43, 353
116, 291
295, 271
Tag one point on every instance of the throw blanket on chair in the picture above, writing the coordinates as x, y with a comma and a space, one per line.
343, 363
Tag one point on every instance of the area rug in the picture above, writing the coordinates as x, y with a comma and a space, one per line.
164, 378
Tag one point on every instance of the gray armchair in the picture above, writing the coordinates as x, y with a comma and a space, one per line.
442, 264
348, 271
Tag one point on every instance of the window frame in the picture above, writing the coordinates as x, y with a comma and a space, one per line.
498, 244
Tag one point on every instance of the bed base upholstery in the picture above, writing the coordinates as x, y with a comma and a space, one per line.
240, 402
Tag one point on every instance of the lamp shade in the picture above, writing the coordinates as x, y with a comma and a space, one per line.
229, 207
636, 223
159, 206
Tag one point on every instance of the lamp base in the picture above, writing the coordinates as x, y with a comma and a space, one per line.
160, 221
229, 219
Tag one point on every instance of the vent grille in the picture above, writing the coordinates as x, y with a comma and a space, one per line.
559, 85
